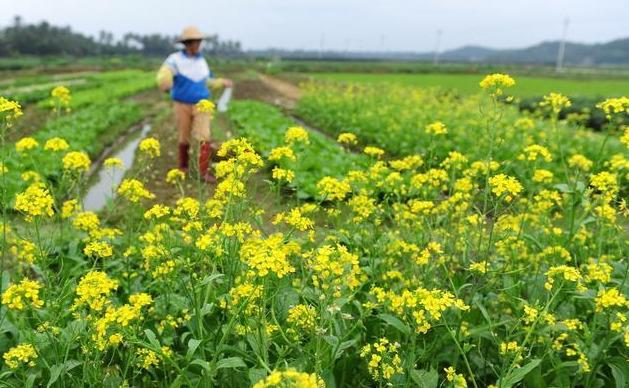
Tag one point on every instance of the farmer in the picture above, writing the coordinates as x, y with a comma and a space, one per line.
187, 76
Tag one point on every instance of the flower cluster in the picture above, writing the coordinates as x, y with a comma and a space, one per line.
35, 201
495, 83
25, 293
382, 359
290, 378
150, 147
134, 190
205, 106
60, 98
76, 162
9, 110
20, 354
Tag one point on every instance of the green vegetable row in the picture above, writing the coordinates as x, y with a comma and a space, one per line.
265, 126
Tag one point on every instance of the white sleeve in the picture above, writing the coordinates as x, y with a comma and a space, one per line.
171, 62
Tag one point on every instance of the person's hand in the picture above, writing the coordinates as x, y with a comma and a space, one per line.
227, 83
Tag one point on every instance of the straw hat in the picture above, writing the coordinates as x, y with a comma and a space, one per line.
191, 33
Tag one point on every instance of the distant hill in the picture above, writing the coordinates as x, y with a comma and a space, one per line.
577, 54
614, 53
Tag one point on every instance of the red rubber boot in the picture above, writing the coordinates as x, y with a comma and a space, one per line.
183, 157
205, 153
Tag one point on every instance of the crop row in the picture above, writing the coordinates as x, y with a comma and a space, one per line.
401, 120
265, 127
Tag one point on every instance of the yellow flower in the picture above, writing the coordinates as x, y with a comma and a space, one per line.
134, 190
9, 111
147, 358
56, 144
347, 138
296, 217
24, 250
363, 206
535, 152
175, 175
614, 105
457, 379
333, 189
290, 378
28, 176
581, 162
296, 135
373, 151
496, 82
281, 174
93, 290
555, 102
157, 211
269, 255
278, 153
150, 147
115, 339
20, 354
99, 249
17, 296
509, 347
436, 128
570, 274
205, 106
383, 360
505, 185
86, 221
414, 161
302, 319
26, 144
60, 97
606, 183
113, 163
76, 161
606, 299
35, 201
541, 175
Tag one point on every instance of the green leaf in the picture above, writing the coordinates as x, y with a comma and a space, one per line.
210, 278
58, 370
256, 374
343, 346
620, 371
396, 323
202, 363
425, 379
30, 380
231, 362
152, 338
193, 344
516, 375
55, 372
177, 383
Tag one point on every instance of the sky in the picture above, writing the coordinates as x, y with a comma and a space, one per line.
354, 25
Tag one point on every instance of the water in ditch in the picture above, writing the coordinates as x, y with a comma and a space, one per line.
107, 179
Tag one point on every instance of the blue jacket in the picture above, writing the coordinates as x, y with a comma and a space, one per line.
191, 74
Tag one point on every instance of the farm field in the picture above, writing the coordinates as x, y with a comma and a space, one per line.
528, 86
380, 230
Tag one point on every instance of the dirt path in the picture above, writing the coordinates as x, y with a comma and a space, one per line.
268, 89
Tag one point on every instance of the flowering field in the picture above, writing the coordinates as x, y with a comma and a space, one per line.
421, 239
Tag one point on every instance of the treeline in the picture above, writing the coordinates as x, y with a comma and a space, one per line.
45, 39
